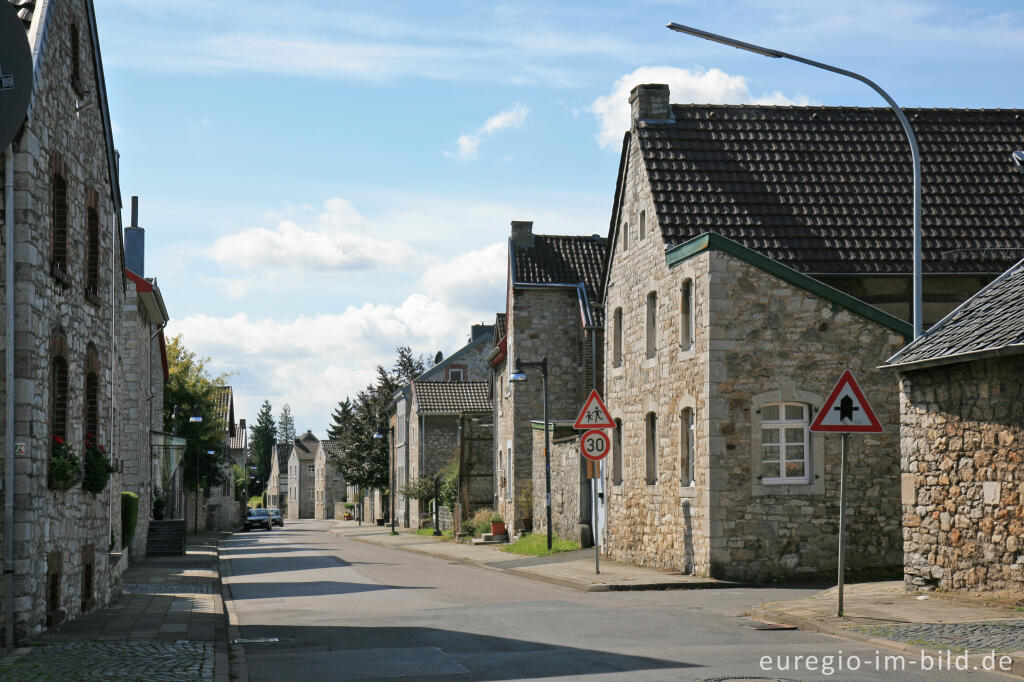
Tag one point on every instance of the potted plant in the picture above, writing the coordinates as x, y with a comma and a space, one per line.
349, 506
97, 468
65, 465
498, 525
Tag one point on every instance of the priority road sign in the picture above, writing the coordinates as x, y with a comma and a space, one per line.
846, 410
594, 414
595, 444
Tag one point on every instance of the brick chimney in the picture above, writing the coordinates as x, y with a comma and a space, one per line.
522, 232
649, 102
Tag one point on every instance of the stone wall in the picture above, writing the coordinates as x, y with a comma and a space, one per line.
54, 530
566, 472
963, 475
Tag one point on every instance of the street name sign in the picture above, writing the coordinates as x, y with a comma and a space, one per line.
594, 414
846, 410
595, 444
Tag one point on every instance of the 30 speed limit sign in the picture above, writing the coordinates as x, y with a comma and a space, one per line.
595, 444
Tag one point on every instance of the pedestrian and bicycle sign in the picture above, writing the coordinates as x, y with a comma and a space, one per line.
594, 414
846, 410
595, 444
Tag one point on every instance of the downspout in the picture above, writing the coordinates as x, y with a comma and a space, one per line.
115, 225
9, 398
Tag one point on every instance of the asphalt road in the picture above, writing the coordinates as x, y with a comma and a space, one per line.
342, 610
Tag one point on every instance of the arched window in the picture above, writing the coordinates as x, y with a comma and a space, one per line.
76, 58
652, 448
617, 453
625, 236
785, 443
92, 253
617, 338
686, 316
59, 211
652, 324
686, 447
643, 225
91, 416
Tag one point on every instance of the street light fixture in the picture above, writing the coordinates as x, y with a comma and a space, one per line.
517, 375
914, 155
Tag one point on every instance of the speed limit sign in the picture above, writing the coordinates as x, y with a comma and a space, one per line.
595, 444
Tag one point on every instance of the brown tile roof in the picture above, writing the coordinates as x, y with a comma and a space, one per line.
828, 189
332, 449
238, 440
305, 445
989, 323
555, 259
226, 407
446, 397
499, 327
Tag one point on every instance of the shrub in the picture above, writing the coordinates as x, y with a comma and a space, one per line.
158, 508
497, 518
65, 466
97, 467
479, 523
130, 516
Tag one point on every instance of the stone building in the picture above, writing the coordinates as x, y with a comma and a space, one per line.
741, 236
962, 439
219, 510
277, 486
143, 356
302, 476
553, 311
468, 363
64, 377
328, 483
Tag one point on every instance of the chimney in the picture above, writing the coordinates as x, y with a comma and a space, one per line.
241, 425
477, 330
522, 232
649, 102
135, 243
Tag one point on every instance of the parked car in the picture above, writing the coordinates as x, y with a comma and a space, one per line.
275, 517
258, 518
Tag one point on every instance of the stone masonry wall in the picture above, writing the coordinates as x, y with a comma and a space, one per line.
963, 475
57, 529
565, 484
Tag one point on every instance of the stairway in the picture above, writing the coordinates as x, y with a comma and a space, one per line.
166, 538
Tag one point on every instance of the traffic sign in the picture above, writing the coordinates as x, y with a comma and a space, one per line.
15, 73
846, 410
595, 444
594, 414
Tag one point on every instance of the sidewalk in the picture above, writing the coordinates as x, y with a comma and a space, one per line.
884, 614
168, 624
568, 569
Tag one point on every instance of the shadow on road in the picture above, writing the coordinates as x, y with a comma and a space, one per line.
317, 588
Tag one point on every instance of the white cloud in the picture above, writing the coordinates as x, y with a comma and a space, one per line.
336, 242
469, 143
712, 86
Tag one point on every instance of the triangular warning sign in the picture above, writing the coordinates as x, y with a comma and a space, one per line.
594, 414
846, 410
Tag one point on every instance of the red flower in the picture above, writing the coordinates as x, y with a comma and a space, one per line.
58, 440
90, 435
102, 449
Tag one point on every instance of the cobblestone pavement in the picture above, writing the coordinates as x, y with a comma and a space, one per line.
999, 636
168, 588
128, 661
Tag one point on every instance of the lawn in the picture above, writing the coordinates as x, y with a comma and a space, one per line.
537, 545
430, 531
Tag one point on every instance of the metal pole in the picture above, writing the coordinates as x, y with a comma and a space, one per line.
597, 552
842, 520
547, 447
393, 481
437, 505
195, 524
9, 401
914, 155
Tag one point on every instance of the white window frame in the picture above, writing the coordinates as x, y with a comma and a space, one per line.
784, 441
456, 371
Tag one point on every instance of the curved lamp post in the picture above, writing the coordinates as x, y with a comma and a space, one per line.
915, 157
519, 375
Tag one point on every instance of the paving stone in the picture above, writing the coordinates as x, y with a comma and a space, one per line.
999, 636
87, 661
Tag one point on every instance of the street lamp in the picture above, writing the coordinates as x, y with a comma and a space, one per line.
914, 155
391, 477
519, 375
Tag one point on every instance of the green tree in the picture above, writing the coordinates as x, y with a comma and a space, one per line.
408, 366
195, 393
261, 446
341, 418
286, 424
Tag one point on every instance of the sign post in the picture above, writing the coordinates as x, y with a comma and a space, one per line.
594, 446
845, 411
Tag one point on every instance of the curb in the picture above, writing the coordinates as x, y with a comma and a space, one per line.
550, 579
810, 625
239, 669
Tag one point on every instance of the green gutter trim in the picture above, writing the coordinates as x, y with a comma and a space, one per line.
560, 425
711, 240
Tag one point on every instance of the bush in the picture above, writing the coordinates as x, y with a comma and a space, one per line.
496, 518
65, 466
479, 523
159, 506
129, 516
97, 469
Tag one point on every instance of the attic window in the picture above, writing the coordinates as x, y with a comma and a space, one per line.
455, 374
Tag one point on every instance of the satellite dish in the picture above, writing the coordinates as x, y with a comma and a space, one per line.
15, 73
438, 358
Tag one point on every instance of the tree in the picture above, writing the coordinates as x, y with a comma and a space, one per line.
195, 393
261, 445
408, 366
341, 418
286, 425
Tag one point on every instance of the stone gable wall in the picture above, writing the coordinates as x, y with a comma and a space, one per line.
63, 525
963, 475
565, 485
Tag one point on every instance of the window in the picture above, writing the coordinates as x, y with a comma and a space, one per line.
76, 59
92, 395
92, 254
785, 443
59, 397
686, 442
652, 448
643, 225
625, 236
652, 324
59, 209
309, 468
617, 453
617, 338
455, 374
509, 458
686, 316
309, 494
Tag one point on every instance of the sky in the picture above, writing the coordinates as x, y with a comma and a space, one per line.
321, 182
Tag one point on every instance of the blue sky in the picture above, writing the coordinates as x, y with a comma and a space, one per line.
323, 181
